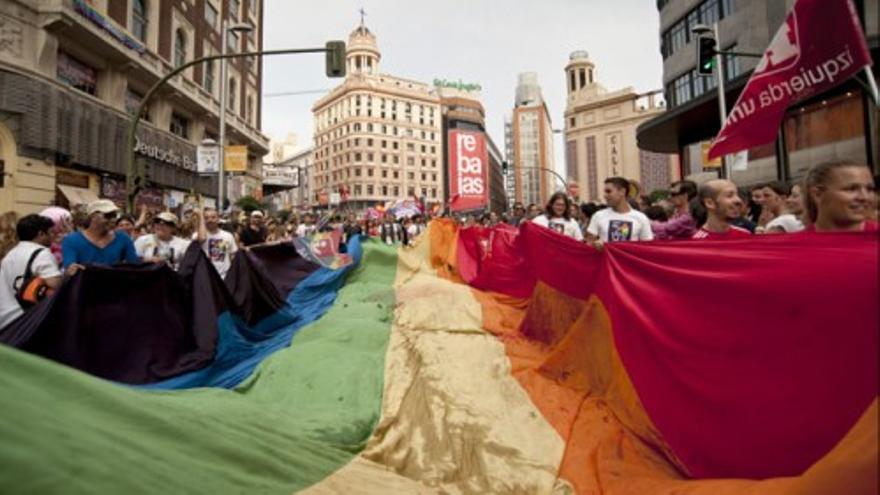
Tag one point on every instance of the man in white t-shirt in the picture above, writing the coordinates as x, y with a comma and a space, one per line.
618, 222
307, 228
162, 246
219, 245
33, 247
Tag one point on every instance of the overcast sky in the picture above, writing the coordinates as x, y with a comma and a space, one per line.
482, 41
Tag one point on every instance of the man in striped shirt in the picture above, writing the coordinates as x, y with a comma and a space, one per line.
717, 204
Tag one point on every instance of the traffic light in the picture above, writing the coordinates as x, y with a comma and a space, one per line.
705, 55
504, 167
335, 59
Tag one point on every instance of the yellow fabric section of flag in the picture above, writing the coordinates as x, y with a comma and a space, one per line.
454, 419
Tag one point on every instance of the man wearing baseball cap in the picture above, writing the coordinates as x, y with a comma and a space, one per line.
162, 246
98, 243
254, 232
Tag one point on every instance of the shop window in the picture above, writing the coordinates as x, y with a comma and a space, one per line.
831, 129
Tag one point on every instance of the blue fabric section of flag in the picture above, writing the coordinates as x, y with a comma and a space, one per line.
240, 348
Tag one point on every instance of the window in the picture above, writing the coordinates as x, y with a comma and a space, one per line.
681, 88
208, 77
139, 19
179, 47
396, 191
232, 42
411, 175
132, 101
252, 6
731, 65
410, 161
76, 74
582, 74
357, 172
369, 189
369, 172
249, 110
234, 8
179, 126
384, 175
384, 190
396, 176
211, 15
231, 96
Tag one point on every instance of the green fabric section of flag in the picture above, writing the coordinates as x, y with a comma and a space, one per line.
303, 414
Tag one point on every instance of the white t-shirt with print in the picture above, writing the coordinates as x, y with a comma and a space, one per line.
150, 246
13, 266
565, 227
303, 230
611, 226
219, 247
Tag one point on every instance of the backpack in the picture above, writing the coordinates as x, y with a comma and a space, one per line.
29, 290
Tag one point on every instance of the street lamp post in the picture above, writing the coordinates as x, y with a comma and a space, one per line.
224, 89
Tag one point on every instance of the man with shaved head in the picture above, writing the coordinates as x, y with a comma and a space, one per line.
717, 204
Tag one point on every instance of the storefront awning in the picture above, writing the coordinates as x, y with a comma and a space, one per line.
77, 195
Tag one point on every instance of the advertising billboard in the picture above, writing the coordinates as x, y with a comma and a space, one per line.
468, 170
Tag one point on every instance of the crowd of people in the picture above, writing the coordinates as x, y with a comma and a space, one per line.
39, 250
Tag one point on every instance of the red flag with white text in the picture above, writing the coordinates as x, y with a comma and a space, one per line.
820, 45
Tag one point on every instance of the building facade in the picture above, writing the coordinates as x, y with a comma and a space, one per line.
600, 133
72, 72
532, 135
286, 183
509, 176
378, 137
839, 124
462, 110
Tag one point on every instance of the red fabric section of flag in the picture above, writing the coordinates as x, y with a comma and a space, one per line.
819, 46
752, 357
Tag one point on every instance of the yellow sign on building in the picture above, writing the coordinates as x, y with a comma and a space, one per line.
707, 163
235, 159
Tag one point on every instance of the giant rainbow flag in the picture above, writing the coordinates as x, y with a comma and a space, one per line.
477, 361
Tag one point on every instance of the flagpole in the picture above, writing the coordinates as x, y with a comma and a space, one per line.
872, 85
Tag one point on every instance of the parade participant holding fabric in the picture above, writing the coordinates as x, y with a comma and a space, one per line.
98, 242
776, 196
162, 246
307, 227
62, 225
619, 222
682, 225
254, 232
219, 245
557, 216
30, 258
717, 205
839, 197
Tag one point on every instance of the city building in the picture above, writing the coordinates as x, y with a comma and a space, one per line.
838, 124
378, 137
286, 183
532, 132
509, 177
600, 134
72, 72
462, 110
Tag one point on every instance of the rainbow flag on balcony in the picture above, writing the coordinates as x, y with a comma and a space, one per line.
498, 361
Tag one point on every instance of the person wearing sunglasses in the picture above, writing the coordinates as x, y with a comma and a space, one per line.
97, 243
162, 246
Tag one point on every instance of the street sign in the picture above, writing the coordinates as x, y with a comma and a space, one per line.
208, 159
335, 199
235, 159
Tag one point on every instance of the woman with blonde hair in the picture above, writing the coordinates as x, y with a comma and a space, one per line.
839, 197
